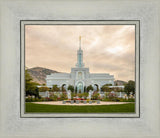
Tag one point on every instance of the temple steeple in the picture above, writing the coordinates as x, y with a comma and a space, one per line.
80, 55
80, 42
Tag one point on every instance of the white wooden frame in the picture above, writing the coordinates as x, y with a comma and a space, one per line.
13, 126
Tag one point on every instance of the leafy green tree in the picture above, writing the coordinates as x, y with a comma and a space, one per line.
30, 86
71, 88
117, 89
105, 88
129, 87
107, 85
89, 88
43, 89
55, 88
37, 92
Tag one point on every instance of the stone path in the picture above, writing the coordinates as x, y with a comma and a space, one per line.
80, 104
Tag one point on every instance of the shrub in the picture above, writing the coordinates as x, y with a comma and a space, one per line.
64, 96
30, 99
53, 97
73, 95
89, 88
112, 96
85, 95
95, 96
71, 88
55, 88
43, 89
80, 95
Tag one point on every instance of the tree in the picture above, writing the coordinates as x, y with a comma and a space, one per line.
37, 92
107, 84
30, 86
130, 87
43, 89
76, 90
84, 88
105, 88
55, 88
89, 88
71, 88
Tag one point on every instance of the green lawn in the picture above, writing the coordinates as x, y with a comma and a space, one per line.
42, 108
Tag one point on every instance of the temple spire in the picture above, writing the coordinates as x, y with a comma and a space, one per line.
80, 55
79, 42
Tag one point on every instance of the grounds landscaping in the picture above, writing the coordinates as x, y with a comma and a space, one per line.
57, 96
46, 108
79, 103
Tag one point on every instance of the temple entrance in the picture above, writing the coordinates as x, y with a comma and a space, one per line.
80, 87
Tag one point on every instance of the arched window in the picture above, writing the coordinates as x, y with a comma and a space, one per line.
80, 87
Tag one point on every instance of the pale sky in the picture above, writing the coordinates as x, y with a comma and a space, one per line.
106, 48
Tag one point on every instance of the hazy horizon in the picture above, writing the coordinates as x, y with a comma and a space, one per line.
106, 48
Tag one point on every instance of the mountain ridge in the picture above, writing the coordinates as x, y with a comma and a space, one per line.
38, 74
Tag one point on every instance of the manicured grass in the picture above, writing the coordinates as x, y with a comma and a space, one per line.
42, 108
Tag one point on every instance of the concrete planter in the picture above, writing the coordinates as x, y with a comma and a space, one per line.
98, 101
72, 101
77, 101
84, 102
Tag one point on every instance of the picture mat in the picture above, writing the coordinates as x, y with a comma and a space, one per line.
137, 35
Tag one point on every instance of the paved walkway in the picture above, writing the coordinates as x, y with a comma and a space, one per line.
80, 104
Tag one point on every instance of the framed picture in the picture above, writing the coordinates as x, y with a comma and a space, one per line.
62, 36
111, 46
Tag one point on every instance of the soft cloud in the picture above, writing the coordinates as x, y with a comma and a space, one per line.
106, 48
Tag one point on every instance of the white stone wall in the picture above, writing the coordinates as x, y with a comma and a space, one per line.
72, 78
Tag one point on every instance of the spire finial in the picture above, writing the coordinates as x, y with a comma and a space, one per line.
79, 42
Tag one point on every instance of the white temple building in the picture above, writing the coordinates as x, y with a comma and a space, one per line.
80, 77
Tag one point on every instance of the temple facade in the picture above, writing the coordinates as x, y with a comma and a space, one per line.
79, 77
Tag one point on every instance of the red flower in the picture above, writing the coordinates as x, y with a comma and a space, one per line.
78, 98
